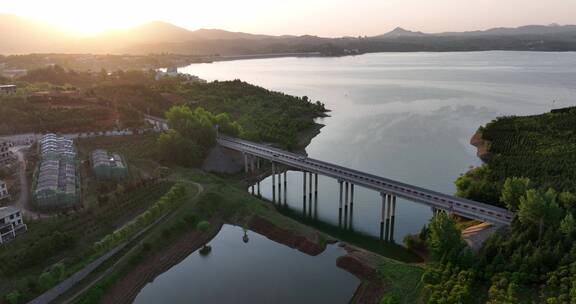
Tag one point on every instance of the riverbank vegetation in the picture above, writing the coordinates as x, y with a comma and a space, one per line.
529, 171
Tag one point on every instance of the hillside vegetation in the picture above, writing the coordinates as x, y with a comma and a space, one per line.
540, 147
102, 101
530, 171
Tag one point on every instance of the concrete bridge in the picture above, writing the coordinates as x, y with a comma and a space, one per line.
348, 178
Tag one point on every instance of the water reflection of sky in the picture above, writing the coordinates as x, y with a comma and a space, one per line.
260, 271
406, 116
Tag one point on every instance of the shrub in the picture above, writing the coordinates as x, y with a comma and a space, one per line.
13, 297
203, 226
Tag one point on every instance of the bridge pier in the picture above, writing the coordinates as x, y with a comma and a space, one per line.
393, 218
246, 163
273, 183
383, 214
310, 194
279, 188
285, 189
340, 205
388, 205
315, 195
351, 216
346, 198
351, 206
304, 193
258, 186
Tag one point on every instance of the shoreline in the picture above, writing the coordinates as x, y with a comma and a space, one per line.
205, 60
482, 146
262, 56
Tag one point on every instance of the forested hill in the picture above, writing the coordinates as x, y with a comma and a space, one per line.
539, 147
531, 171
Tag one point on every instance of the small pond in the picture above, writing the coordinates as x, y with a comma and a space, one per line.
258, 271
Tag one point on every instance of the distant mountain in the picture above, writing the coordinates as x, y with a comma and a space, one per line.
215, 34
20, 35
500, 31
400, 32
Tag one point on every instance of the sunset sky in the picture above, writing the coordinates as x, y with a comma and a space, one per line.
317, 17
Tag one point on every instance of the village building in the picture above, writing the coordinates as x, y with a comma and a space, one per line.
11, 223
4, 194
8, 88
5, 153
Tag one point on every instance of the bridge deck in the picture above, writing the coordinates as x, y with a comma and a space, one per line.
466, 208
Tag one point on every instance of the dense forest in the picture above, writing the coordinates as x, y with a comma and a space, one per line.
264, 115
529, 171
540, 147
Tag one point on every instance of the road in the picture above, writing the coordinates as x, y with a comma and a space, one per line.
23, 202
463, 207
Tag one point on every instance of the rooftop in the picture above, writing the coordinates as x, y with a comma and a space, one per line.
7, 211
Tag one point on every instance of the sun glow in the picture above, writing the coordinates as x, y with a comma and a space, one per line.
87, 17
316, 17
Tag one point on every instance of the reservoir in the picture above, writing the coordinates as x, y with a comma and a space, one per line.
404, 116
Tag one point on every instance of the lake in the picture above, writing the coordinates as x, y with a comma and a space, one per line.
405, 116
257, 271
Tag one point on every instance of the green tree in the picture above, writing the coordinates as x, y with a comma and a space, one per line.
476, 185
538, 208
195, 125
568, 225
567, 199
175, 148
444, 239
514, 188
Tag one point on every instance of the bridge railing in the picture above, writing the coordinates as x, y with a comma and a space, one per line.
436, 199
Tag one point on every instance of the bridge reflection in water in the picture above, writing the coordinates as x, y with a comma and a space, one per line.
281, 161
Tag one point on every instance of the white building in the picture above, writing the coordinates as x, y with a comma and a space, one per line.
170, 72
5, 154
8, 88
3, 191
11, 223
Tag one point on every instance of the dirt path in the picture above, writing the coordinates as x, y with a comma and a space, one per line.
23, 202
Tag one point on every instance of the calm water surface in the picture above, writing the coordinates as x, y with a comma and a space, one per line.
260, 271
406, 116
403, 116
